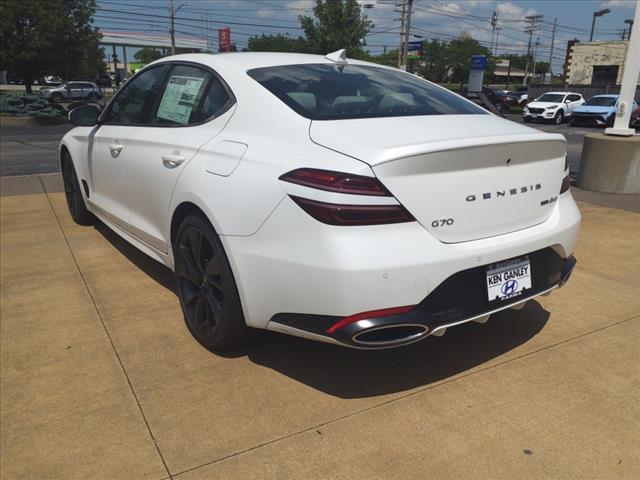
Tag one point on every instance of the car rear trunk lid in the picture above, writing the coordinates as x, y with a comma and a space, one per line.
456, 176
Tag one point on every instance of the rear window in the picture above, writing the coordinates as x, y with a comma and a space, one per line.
334, 92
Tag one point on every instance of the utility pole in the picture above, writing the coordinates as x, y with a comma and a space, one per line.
508, 73
553, 38
172, 27
532, 24
494, 23
535, 52
405, 31
630, 23
498, 29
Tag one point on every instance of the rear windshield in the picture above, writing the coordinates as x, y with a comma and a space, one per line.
334, 92
602, 101
551, 98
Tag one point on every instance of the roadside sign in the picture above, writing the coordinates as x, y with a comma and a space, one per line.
224, 39
478, 62
414, 49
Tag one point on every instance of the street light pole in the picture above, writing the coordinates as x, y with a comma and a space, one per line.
599, 13
630, 23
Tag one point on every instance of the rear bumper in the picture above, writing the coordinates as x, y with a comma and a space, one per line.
296, 265
459, 299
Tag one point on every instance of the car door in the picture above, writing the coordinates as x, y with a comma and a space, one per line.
194, 107
108, 148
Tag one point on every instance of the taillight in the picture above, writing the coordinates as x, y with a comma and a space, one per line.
385, 312
349, 215
566, 181
337, 182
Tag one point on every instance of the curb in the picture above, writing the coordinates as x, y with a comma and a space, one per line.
6, 121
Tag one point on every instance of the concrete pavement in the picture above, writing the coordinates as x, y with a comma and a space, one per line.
100, 379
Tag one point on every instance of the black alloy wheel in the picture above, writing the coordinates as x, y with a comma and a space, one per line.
73, 194
558, 118
206, 287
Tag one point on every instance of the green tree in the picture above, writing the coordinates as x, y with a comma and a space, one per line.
435, 57
147, 55
390, 58
55, 37
337, 24
276, 43
459, 51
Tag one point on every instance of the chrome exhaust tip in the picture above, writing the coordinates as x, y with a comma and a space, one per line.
391, 335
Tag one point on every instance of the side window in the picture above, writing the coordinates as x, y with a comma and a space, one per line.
574, 98
192, 95
214, 103
182, 95
135, 101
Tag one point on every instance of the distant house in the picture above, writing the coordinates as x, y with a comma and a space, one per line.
503, 74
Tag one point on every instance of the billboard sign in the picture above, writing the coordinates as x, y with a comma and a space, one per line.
414, 49
224, 39
478, 62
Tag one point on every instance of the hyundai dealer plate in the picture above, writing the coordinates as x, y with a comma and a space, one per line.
508, 279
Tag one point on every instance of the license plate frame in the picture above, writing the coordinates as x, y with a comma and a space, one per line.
508, 279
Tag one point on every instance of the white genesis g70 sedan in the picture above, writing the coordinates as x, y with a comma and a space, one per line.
332, 199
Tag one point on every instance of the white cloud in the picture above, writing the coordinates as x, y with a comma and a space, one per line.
619, 3
511, 11
304, 4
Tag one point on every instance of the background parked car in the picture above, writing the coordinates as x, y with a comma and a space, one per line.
52, 80
598, 110
74, 91
103, 80
523, 95
635, 119
502, 101
552, 106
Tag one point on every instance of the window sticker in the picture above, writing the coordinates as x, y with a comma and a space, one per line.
179, 98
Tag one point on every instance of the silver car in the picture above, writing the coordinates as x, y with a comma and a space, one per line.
74, 91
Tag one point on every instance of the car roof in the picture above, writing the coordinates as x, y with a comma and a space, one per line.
606, 96
249, 60
561, 93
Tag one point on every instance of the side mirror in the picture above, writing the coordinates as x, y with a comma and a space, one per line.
567, 101
84, 116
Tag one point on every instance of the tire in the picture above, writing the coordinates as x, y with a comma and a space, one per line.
499, 107
206, 288
56, 97
611, 120
527, 120
559, 118
73, 194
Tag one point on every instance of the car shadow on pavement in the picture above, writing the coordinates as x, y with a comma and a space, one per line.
347, 373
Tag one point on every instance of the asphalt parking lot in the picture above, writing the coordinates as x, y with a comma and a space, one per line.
100, 379
33, 150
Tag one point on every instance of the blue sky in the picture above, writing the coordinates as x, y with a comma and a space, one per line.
440, 19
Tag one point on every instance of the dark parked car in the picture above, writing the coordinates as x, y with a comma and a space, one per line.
104, 80
502, 101
635, 119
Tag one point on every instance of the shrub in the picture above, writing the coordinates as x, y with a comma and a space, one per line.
28, 106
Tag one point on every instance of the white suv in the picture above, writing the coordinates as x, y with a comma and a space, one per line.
554, 106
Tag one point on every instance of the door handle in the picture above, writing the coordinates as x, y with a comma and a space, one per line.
115, 149
172, 160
